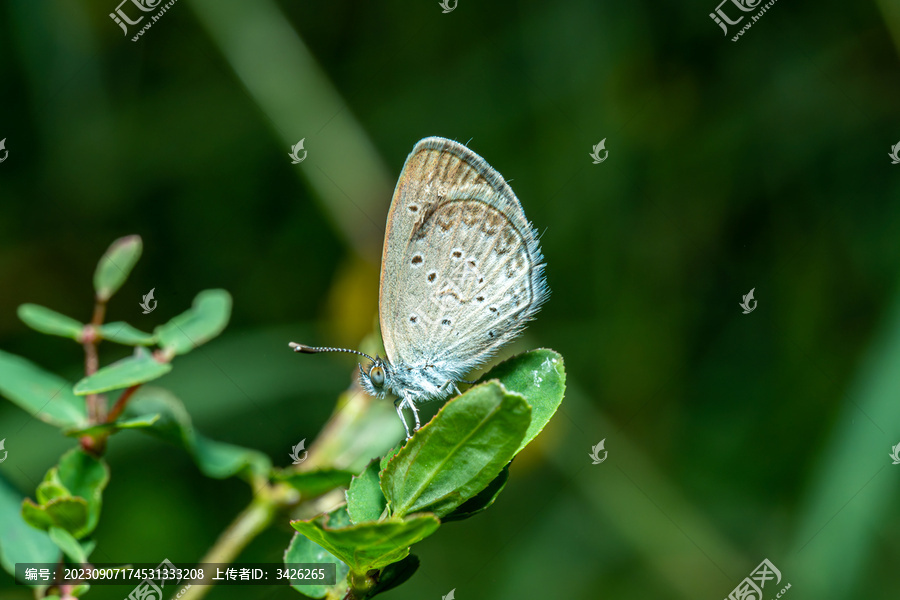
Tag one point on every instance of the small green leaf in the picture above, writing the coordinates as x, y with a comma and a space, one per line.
539, 376
388, 456
458, 453
85, 477
369, 546
206, 319
51, 490
365, 501
69, 513
115, 266
121, 332
221, 459
394, 574
93, 430
483, 500
311, 484
302, 550
122, 374
19, 541
41, 394
215, 459
49, 321
68, 544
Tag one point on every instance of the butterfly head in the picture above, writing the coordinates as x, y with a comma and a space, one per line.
375, 380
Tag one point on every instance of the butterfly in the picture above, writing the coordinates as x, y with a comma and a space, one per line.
461, 274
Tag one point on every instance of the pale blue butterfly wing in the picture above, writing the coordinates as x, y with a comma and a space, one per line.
462, 270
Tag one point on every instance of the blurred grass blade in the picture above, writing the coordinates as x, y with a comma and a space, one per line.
854, 489
206, 319
41, 394
45, 320
350, 181
115, 266
122, 374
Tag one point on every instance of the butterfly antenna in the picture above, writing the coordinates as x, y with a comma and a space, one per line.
311, 350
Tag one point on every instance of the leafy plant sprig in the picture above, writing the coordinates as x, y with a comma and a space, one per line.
452, 469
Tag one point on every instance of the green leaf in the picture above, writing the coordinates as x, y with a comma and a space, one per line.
388, 456
369, 546
215, 459
206, 319
458, 453
394, 574
19, 541
69, 513
314, 483
127, 372
365, 501
480, 502
93, 430
302, 550
49, 321
123, 333
68, 544
539, 376
221, 459
51, 490
41, 394
85, 477
115, 266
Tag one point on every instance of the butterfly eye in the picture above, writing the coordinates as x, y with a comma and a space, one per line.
377, 376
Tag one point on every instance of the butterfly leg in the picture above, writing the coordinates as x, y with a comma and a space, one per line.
408, 400
398, 404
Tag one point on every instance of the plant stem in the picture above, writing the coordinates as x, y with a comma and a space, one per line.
119, 406
95, 403
246, 526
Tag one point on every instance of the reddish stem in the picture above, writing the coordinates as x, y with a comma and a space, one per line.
120, 404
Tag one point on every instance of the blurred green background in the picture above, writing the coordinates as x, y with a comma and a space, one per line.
758, 164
